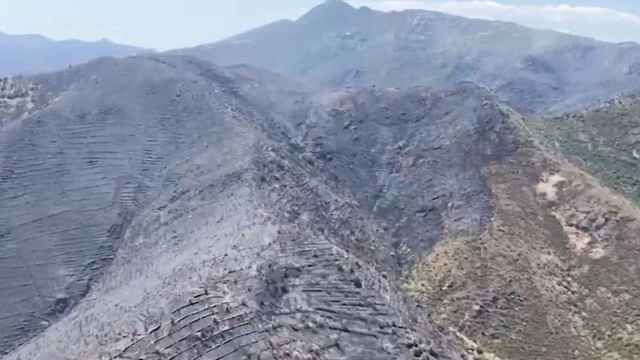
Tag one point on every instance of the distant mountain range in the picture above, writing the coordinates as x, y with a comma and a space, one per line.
31, 54
337, 45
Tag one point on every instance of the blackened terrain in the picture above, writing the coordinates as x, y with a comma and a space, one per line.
162, 207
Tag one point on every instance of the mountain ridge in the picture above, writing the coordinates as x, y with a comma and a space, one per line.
29, 54
532, 70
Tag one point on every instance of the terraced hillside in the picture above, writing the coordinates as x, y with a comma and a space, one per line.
158, 207
77, 170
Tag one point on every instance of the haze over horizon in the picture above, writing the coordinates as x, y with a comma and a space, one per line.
178, 25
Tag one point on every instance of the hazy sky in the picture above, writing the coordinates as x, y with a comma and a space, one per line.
164, 24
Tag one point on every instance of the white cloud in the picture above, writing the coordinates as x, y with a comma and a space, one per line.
596, 22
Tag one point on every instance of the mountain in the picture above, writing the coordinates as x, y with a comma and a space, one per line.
161, 207
158, 207
337, 45
31, 54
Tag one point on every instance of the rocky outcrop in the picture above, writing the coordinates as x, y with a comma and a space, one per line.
18, 98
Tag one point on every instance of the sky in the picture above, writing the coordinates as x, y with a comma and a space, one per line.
165, 24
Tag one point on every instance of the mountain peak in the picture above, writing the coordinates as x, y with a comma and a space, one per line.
330, 9
336, 4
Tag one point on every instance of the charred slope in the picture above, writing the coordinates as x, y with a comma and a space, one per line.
337, 45
152, 207
243, 224
519, 252
412, 159
500, 240
77, 167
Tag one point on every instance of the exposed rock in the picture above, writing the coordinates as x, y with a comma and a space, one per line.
18, 98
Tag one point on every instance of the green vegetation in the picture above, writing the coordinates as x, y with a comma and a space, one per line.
604, 141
